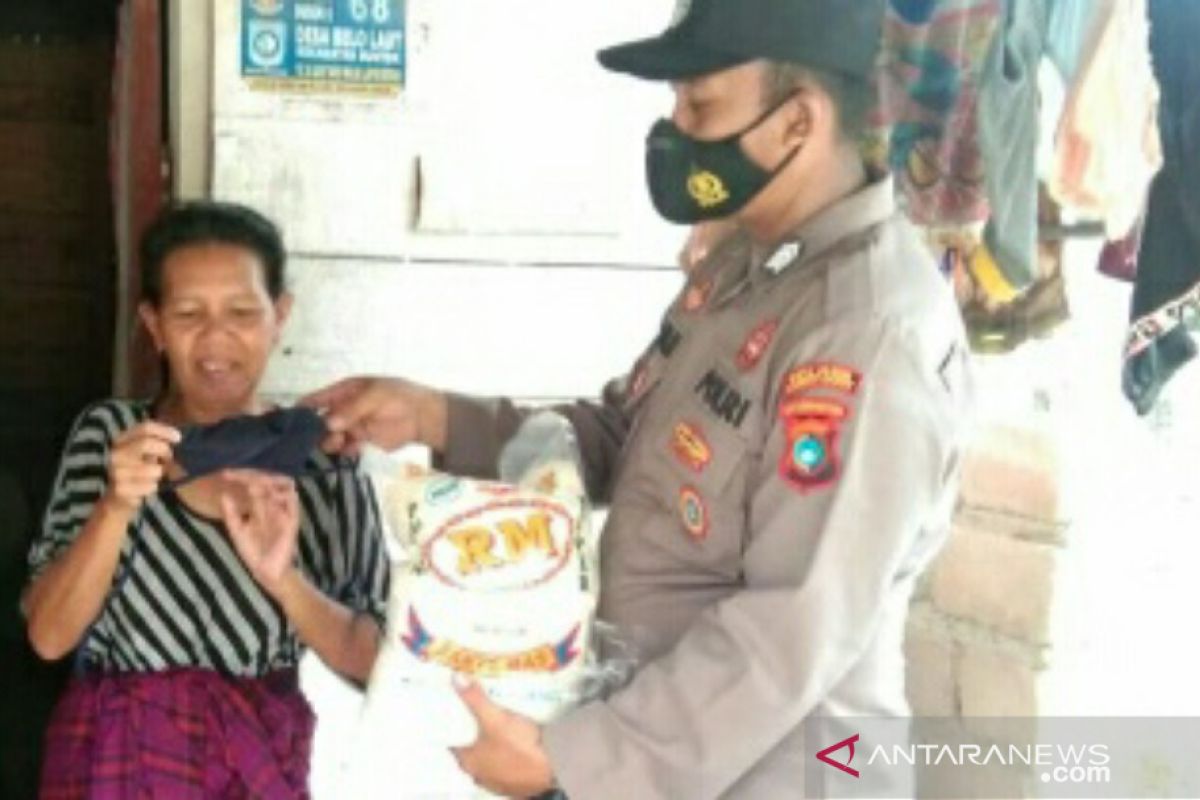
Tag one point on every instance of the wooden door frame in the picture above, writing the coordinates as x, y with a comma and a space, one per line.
140, 179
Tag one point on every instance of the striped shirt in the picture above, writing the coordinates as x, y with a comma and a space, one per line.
181, 596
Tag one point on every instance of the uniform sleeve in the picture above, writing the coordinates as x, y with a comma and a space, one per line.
855, 466
363, 574
81, 479
477, 430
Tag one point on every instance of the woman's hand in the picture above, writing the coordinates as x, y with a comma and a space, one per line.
137, 462
262, 513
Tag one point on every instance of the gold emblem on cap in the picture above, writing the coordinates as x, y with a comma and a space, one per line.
707, 189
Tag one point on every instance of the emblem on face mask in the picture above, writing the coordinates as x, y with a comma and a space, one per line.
707, 189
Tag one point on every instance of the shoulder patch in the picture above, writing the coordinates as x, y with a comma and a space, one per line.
813, 423
821, 375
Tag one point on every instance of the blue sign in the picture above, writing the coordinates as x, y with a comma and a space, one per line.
331, 45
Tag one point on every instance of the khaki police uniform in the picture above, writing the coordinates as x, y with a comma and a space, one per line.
782, 464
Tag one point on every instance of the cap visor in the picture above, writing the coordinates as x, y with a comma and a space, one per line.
665, 58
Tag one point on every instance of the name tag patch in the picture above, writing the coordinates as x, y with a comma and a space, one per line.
723, 399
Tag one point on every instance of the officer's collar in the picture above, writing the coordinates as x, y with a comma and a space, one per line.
866, 208
725, 271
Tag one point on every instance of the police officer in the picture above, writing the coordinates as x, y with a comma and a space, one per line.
782, 460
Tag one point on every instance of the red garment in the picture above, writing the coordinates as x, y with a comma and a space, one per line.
183, 735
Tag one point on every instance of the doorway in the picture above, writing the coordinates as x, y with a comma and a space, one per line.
57, 303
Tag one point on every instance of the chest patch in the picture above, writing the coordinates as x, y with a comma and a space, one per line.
756, 345
668, 338
693, 512
690, 446
726, 402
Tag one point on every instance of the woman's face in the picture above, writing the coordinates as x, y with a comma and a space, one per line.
216, 325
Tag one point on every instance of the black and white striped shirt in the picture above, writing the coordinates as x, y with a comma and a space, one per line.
181, 597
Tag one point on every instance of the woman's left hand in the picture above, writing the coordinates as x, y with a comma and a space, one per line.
262, 513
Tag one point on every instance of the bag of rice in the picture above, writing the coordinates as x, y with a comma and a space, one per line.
494, 580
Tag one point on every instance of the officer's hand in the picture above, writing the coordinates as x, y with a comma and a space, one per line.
385, 412
507, 758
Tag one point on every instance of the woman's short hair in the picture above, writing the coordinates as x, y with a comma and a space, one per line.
202, 222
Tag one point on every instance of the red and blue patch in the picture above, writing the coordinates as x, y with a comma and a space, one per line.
813, 423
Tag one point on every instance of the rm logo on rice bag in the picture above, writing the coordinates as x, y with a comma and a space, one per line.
502, 546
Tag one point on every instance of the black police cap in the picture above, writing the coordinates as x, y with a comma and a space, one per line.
840, 36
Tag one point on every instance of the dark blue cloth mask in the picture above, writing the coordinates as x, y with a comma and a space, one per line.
279, 441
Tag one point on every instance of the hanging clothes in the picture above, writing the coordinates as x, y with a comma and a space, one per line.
1118, 259
1166, 299
1008, 137
931, 66
1001, 325
1107, 148
1070, 33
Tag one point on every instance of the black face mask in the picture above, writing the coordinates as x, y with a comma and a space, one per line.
279, 441
693, 180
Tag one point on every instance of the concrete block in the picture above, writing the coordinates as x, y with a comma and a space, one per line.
950, 772
1006, 584
1015, 471
931, 675
999, 695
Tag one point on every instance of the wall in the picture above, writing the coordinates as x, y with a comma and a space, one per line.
189, 65
524, 260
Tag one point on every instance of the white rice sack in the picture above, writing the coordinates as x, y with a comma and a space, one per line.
494, 580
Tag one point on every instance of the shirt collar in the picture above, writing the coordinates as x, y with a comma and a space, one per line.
866, 208
726, 270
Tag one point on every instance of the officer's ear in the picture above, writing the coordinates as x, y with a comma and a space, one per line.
808, 114
811, 114
798, 122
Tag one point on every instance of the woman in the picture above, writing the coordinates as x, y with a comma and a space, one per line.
188, 608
